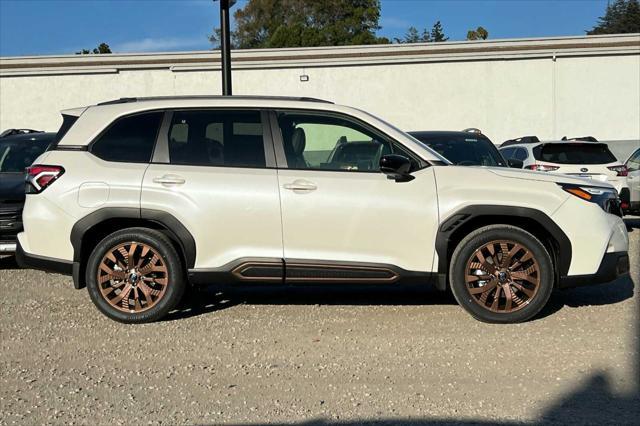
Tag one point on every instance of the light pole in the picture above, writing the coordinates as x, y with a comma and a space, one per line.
225, 45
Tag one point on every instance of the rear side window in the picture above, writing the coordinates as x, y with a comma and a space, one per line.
574, 153
129, 139
521, 154
508, 153
217, 138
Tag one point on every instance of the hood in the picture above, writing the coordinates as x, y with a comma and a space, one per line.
545, 177
11, 187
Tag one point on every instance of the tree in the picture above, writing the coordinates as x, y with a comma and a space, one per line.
101, 49
477, 34
621, 17
437, 33
298, 23
413, 36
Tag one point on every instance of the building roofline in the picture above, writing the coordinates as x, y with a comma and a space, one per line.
327, 56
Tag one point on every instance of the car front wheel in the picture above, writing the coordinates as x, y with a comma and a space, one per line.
501, 274
135, 275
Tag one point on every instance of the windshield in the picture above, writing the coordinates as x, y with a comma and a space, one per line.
16, 155
442, 160
464, 149
574, 153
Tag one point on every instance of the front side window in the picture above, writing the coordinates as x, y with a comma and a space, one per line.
319, 142
130, 139
217, 138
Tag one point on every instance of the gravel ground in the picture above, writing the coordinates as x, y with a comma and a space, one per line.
317, 357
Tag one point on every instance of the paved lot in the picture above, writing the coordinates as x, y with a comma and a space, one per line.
317, 357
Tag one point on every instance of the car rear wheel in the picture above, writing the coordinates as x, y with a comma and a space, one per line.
135, 275
501, 274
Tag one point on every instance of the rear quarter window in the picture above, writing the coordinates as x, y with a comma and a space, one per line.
129, 139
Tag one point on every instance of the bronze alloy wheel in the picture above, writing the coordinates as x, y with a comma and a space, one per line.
502, 276
132, 277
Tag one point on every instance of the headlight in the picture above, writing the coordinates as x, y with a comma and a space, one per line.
606, 198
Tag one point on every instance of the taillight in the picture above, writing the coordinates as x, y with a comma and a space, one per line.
620, 170
40, 177
541, 168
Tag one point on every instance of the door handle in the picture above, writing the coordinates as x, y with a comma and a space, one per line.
300, 185
170, 180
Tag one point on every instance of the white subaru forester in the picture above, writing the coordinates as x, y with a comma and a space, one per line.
139, 198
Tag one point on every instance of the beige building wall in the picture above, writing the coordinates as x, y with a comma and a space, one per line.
508, 88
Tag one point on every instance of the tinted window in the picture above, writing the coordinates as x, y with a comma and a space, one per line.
463, 149
331, 143
574, 153
508, 153
129, 139
217, 138
521, 154
17, 155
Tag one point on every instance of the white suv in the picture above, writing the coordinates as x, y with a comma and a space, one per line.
142, 197
585, 158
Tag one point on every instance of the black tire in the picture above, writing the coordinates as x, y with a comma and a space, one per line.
480, 309
167, 257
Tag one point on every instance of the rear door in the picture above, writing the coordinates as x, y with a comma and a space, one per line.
214, 171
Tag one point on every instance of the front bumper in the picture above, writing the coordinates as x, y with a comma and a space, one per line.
613, 266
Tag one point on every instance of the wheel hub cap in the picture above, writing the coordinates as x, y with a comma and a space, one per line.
132, 277
502, 276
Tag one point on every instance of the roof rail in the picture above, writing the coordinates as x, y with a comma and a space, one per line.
250, 97
523, 139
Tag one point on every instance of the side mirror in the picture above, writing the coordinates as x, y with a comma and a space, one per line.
396, 167
516, 164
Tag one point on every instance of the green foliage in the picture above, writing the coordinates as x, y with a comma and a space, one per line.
621, 17
477, 34
101, 49
414, 36
437, 33
299, 23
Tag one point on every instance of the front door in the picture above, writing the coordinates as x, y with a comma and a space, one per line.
344, 220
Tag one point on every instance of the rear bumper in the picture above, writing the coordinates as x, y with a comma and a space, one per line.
32, 261
613, 266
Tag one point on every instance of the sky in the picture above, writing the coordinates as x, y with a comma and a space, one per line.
50, 27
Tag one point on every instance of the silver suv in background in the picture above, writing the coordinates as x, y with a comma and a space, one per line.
580, 157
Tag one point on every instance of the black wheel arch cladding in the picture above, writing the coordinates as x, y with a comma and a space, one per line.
497, 215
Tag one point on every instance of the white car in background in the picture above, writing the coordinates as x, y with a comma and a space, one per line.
633, 179
581, 157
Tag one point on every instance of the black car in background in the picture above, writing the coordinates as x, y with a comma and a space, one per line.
17, 152
466, 148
